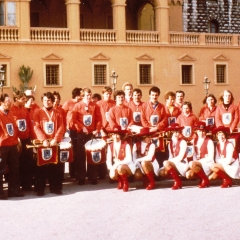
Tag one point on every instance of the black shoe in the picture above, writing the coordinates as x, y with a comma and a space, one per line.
18, 194
40, 193
81, 182
94, 182
57, 192
3, 197
27, 189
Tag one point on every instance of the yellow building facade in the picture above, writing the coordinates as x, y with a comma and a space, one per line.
73, 43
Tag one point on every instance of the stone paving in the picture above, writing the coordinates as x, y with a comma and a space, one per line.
103, 212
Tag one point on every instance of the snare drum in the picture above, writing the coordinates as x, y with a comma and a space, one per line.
65, 152
96, 151
47, 155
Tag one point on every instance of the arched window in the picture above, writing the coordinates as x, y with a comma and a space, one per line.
213, 26
146, 17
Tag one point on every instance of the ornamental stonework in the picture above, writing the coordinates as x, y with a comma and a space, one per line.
198, 13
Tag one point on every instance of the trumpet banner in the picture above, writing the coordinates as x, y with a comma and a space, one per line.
47, 155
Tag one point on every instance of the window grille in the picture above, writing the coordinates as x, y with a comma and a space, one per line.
100, 76
186, 74
145, 73
4, 68
221, 73
52, 74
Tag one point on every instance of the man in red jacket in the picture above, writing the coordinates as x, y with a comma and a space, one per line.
8, 149
25, 134
49, 129
87, 120
154, 116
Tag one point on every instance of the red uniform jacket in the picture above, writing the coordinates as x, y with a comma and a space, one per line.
189, 121
8, 129
148, 114
40, 124
68, 107
175, 113
86, 116
118, 116
136, 109
104, 109
222, 116
21, 115
205, 113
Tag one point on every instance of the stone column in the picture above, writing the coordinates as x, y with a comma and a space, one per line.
162, 20
24, 20
73, 19
119, 19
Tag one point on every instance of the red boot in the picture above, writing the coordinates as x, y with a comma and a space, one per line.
177, 180
151, 184
145, 181
227, 181
205, 181
120, 182
125, 182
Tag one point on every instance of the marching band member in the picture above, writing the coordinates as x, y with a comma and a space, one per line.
136, 106
172, 111
227, 114
119, 158
87, 119
153, 113
154, 116
58, 106
67, 107
127, 88
120, 114
187, 120
203, 156
145, 159
96, 97
105, 104
25, 134
8, 149
49, 129
208, 112
177, 162
179, 99
227, 161
31, 106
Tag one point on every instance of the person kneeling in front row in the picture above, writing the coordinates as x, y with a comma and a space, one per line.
119, 158
177, 162
145, 159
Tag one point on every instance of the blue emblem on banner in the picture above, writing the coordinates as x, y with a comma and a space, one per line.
46, 153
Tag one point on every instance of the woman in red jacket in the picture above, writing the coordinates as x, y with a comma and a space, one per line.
227, 114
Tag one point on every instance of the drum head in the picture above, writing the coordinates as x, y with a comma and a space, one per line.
65, 145
95, 144
66, 139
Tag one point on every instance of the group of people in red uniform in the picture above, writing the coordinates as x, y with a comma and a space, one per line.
133, 130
